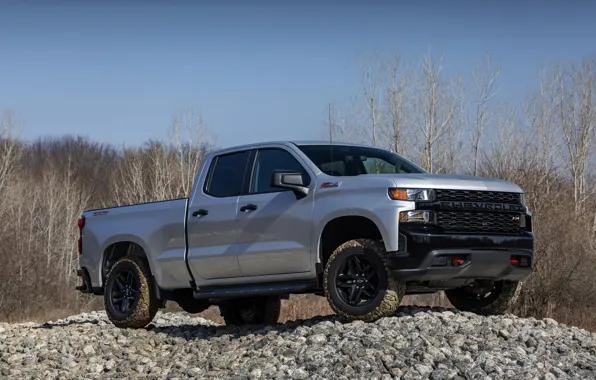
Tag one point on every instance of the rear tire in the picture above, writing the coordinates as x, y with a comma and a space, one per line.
252, 311
357, 283
490, 298
129, 296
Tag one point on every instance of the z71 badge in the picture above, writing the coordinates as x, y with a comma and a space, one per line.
326, 185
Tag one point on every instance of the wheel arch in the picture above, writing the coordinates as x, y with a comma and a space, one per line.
122, 247
340, 229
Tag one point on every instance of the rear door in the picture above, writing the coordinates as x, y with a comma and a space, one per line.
212, 226
274, 227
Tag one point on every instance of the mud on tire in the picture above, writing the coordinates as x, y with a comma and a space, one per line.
358, 284
129, 295
497, 298
263, 310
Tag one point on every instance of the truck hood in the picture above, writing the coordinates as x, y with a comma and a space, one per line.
446, 181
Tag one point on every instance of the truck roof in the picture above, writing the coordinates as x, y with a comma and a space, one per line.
285, 142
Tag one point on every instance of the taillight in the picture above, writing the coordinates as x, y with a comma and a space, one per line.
81, 224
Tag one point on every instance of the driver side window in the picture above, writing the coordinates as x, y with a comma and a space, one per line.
269, 161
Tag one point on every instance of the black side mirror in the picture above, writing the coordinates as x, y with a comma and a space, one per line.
290, 180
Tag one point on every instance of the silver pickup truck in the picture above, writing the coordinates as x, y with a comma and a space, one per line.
359, 225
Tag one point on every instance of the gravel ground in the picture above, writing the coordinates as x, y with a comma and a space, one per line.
418, 343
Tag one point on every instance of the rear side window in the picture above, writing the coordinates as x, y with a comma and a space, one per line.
227, 175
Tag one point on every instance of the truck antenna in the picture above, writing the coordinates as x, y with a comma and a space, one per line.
330, 124
330, 134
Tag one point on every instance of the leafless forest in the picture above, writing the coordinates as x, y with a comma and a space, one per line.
446, 123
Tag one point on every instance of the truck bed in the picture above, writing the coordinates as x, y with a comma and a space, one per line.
158, 227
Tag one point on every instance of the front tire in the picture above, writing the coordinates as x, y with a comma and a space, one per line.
129, 296
357, 283
252, 311
485, 297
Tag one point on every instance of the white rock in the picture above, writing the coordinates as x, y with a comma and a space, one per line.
318, 338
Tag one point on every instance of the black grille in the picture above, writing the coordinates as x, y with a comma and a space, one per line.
477, 196
461, 221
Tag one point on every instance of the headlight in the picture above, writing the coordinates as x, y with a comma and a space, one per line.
414, 216
410, 194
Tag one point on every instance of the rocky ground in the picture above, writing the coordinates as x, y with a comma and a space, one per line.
418, 343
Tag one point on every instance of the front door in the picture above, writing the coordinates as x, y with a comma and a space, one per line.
274, 227
212, 225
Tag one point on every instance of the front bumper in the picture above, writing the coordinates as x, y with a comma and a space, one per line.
429, 257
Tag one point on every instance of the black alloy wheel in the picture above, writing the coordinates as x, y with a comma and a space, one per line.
124, 291
129, 297
358, 282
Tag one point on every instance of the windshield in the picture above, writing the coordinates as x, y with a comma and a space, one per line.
346, 160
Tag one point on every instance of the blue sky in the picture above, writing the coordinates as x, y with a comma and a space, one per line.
117, 71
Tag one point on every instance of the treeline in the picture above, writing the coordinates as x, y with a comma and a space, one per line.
46, 184
445, 123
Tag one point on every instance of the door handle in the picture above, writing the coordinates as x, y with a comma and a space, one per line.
200, 212
248, 207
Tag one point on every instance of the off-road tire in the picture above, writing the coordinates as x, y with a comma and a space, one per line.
390, 291
499, 301
265, 311
145, 304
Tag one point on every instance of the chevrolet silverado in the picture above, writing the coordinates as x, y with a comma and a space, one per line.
359, 225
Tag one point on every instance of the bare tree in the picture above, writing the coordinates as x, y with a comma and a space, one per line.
435, 106
396, 103
575, 104
484, 83
543, 138
11, 148
163, 170
345, 122
192, 140
129, 183
450, 153
370, 83
507, 153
